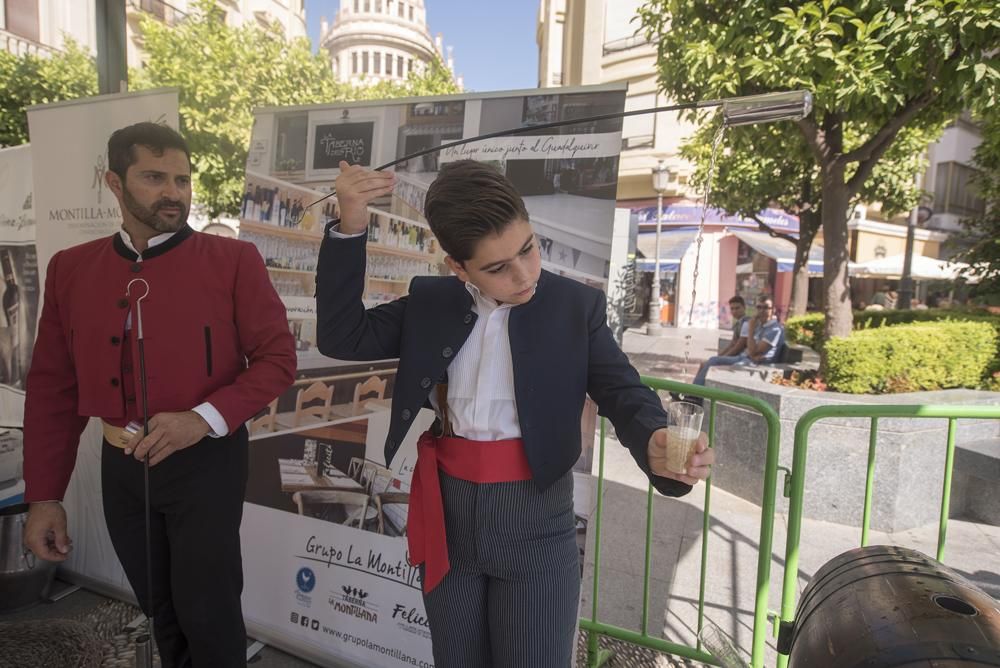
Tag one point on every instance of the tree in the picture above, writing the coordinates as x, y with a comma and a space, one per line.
874, 67
29, 79
224, 72
769, 166
981, 235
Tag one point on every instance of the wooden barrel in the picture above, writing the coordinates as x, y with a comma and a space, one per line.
884, 606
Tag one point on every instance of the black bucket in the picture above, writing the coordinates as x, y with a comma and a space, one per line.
24, 580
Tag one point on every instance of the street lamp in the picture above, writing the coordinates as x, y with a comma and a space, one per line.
660, 178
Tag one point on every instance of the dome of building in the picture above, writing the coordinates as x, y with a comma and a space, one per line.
376, 40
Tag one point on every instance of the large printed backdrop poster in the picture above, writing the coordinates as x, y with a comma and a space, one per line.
72, 205
19, 266
325, 558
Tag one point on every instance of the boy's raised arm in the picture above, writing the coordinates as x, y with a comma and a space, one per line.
345, 329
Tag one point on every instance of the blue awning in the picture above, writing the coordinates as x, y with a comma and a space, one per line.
780, 250
673, 246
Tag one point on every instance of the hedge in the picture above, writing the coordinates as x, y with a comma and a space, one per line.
807, 330
911, 358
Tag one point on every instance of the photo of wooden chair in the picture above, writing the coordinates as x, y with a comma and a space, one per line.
267, 422
382, 501
355, 505
375, 478
373, 385
316, 412
355, 467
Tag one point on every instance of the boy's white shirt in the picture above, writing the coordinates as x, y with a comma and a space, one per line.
481, 403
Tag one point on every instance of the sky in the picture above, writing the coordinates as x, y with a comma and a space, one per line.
493, 40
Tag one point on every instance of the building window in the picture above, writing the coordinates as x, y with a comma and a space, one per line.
22, 18
354, 62
954, 191
378, 62
378, 6
639, 131
409, 66
364, 62
411, 12
399, 66
368, 5
401, 9
357, 5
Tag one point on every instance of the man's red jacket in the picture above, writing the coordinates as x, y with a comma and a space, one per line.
214, 331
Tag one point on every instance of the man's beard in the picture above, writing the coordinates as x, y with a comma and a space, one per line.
150, 216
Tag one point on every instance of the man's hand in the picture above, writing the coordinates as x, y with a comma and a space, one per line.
698, 466
358, 187
45, 532
168, 433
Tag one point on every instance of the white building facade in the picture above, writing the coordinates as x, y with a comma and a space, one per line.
380, 40
38, 26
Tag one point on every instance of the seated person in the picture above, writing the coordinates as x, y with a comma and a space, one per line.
738, 309
765, 338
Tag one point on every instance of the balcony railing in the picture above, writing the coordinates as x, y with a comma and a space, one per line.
20, 46
159, 9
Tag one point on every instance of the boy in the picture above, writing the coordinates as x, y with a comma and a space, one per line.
505, 354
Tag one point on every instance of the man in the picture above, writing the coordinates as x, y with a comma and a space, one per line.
738, 310
765, 338
216, 350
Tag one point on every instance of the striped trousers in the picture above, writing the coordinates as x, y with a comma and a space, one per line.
511, 596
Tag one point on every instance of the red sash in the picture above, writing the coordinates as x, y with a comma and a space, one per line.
475, 461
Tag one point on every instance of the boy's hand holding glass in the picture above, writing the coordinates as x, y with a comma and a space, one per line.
698, 466
358, 187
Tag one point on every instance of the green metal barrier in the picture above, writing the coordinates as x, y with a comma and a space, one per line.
798, 481
597, 657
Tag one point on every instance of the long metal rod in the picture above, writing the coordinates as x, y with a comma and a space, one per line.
706, 525
869, 482
140, 339
533, 128
949, 464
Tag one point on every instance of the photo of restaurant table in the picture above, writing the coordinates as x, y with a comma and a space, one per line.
317, 450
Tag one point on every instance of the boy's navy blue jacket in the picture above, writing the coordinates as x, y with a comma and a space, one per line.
560, 344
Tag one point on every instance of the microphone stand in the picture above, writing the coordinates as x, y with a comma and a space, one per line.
144, 643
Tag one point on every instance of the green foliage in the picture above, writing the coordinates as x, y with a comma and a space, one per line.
28, 80
911, 358
807, 330
861, 58
224, 72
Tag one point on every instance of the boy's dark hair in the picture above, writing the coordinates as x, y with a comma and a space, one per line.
468, 201
737, 300
154, 136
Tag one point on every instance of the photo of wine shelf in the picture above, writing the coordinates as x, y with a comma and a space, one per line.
275, 218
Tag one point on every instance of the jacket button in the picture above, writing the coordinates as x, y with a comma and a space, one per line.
114, 382
127, 369
390, 444
136, 267
447, 352
467, 319
115, 340
406, 414
123, 303
425, 383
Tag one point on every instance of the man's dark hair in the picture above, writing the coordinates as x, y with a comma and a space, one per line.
154, 136
468, 201
737, 300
